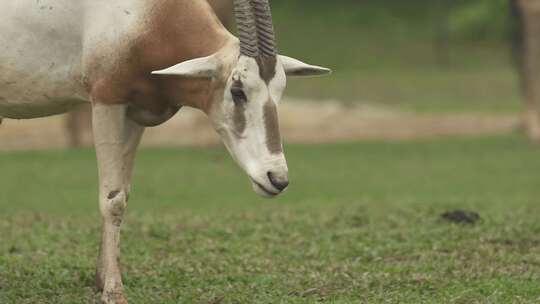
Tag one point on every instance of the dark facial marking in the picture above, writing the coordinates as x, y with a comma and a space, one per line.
239, 115
239, 118
113, 194
240, 100
237, 92
267, 67
271, 124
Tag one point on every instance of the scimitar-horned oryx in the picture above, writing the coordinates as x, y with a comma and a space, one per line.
138, 62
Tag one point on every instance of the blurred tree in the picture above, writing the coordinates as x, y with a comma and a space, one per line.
530, 11
76, 124
517, 39
441, 43
479, 19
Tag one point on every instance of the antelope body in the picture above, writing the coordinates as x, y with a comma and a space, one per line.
138, 62
78, 122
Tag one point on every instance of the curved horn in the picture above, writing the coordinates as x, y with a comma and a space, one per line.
246, 27
265, 27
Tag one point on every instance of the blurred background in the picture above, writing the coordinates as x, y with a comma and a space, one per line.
402, 70
422, 56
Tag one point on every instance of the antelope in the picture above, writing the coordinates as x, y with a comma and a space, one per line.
138, 62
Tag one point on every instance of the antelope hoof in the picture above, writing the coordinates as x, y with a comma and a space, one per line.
113, 297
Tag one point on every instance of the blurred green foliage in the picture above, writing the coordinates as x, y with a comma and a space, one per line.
480, 19
467, 19
419, 55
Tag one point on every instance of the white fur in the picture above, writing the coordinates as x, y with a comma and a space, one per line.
199, 67
42, 50
116, 140
248, 149
295, 67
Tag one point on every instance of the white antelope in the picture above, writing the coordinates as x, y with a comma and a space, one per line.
138, 62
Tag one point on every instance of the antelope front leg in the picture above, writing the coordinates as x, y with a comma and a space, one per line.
116, 140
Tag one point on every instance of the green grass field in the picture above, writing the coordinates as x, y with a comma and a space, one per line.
360, 224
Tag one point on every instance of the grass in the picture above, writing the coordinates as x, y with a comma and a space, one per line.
360, 224
383, 53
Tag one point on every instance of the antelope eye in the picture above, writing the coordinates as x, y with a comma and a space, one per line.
238, 95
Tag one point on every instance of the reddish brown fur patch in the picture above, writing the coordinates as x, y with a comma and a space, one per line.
224, 10
175, 31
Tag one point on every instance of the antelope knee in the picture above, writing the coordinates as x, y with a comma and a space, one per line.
115, 206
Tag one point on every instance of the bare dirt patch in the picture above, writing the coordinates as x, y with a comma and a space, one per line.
301, 121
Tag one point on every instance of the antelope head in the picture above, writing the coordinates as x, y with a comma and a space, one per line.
249, 79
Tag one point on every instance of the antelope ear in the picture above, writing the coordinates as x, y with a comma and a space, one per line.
294, 67
205, 67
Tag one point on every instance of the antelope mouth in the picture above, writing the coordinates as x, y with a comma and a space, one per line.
262, 189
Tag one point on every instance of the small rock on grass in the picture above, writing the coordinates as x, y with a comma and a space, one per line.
461, 217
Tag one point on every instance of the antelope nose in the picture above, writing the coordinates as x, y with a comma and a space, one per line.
280, 181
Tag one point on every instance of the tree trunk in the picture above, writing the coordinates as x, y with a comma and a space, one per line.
441, 42
77, 126
530, 10
516, 39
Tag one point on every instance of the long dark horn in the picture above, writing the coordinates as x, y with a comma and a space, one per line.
246, 27
265, 27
